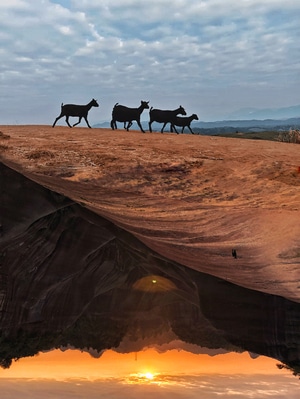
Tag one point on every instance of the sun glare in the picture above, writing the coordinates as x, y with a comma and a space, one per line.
149, 376
142, 378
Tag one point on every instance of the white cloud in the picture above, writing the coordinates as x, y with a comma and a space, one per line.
11, 4
65, 30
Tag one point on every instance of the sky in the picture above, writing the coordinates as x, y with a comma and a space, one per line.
210, 56
173, 374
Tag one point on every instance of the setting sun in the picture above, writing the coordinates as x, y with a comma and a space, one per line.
149, 376
142, 378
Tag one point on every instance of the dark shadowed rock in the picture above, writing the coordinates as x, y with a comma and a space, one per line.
72, 278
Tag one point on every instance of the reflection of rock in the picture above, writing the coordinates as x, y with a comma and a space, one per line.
164, 342
260, 323
70, 277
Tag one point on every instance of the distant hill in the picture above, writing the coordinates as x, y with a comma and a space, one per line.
225, 126
253, 123
103, 125
246, 126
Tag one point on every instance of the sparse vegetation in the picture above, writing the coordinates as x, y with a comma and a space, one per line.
286, 136
271, 135
291, 136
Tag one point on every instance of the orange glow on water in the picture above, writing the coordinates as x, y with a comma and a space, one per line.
145, 366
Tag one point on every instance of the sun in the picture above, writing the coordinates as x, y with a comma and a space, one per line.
146, 377
149, 375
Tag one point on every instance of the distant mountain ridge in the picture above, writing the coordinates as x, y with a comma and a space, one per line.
211, 127
250, 123
246, 126
246, 119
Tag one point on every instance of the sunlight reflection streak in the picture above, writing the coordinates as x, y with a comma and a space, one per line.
183, 381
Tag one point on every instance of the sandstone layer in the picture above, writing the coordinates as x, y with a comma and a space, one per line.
192, 199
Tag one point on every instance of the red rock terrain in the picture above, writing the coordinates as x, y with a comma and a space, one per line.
190, 198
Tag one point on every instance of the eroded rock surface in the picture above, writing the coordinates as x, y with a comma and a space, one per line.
191, 199
71, 277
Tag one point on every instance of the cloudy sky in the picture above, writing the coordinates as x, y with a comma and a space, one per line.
211, 56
